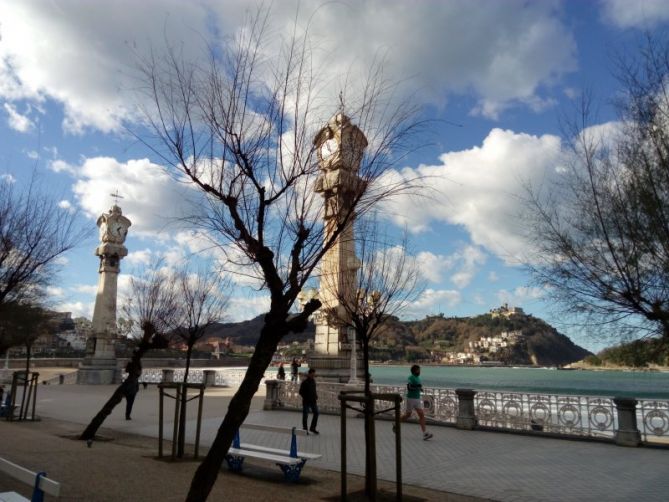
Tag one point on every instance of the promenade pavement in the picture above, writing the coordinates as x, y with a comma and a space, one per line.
493, 466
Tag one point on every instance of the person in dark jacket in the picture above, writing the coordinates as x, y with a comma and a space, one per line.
293, 370
281, 373
131, 387
309, 400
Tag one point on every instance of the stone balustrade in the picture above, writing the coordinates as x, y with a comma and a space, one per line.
624, 421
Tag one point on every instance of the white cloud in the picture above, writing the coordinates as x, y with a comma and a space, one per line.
142, 257
242, 308
432, 266
471, 257
83, 55
481, 189
478, 299
66, 204
51, 150
78, 309
55, 291
630, 14
493, 277
464, 264
33, 155
431, 301
152, 200
7, 178
16, 121
60, 166
87, 289
520, 295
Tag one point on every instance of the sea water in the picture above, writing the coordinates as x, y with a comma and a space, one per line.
640, 384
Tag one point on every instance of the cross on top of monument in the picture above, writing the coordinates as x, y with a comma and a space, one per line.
116, 196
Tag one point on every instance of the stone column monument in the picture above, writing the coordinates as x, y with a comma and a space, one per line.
340, 146
99, 365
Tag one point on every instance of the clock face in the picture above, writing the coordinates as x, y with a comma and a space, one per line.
117, 230
329, 148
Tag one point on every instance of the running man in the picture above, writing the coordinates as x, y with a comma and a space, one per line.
414, 401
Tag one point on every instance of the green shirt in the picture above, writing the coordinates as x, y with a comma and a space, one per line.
414, 387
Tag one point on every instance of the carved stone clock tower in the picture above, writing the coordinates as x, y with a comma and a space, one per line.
340, 146
99, 366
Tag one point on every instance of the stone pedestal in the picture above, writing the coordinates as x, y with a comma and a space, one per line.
99, 367
627, 433
466, 411
209, 378
271, 395
94, 374
168, 376
333, 368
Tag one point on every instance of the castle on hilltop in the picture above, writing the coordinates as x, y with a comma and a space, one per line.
506, 311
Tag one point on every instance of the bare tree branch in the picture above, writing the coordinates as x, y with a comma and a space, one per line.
602, 236
241, 131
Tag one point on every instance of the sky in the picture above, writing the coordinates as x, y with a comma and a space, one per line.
494, 77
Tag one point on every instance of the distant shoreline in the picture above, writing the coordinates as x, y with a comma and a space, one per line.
577, 366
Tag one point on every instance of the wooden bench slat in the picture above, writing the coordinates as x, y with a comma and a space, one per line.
264, 456
278, 451
28, 477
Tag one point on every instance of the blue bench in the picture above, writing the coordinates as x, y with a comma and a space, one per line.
41, 484
290, 461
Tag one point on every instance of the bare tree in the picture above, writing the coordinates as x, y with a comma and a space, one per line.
602, 232
151, 309
202, 298
386, 282
22, 323
240, 129
34, 232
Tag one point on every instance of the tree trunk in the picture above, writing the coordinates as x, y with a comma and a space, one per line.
117, 396
181, 435
370, 446
98, 420
207, 472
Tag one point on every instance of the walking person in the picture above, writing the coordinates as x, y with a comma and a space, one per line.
281, 373
293, 370
309, 400
131, 387
414, 401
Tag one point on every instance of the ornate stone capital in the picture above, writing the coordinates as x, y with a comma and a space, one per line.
113, 226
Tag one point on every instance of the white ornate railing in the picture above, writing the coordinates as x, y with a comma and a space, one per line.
225, 377
584, 416
653, 420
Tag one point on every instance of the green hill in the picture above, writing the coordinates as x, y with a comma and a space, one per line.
435, 337
635, 354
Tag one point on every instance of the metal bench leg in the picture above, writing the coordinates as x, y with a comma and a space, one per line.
38, 495
234, 463
292, 472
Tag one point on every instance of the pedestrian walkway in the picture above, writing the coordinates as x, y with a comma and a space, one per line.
496, 466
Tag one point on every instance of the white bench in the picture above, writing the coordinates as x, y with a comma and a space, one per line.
290, 461
39, 481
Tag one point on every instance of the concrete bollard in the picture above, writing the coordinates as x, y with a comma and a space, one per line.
272, 395
627, 433
168, 376
466, 412
209, 379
